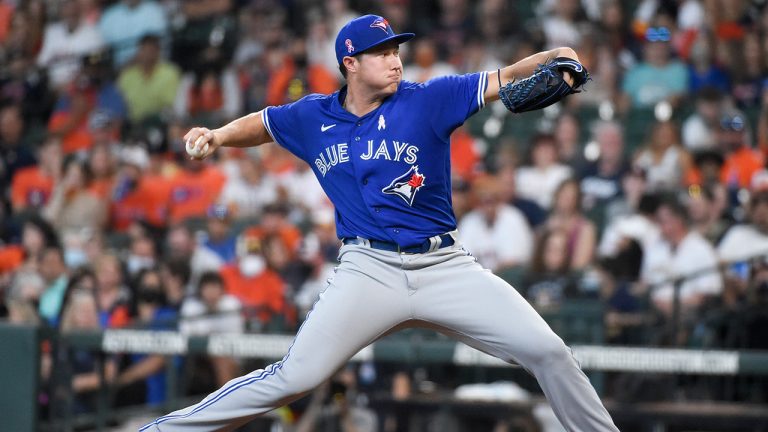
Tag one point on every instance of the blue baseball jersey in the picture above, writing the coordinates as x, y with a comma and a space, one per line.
388, 173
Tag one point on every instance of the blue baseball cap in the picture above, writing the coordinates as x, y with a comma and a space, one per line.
364, 33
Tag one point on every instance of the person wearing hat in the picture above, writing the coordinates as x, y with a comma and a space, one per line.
220, 240
135, 196
380, 147
741, 160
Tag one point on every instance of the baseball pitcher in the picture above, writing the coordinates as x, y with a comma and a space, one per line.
380, 148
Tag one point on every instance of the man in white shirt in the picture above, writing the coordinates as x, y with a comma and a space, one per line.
249, 191
496, 233
746, 241
680, 252
213, 311
65, 42
539, 180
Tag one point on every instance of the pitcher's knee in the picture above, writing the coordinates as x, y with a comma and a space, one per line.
550, 352
300, 383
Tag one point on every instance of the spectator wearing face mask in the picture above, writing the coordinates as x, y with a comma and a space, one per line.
259, 288
142, 254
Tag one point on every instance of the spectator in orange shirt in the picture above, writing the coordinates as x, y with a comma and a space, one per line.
11, 257
91, 91
210, 94
296, 78
6, 13
741, 160
136, 196
464, 155
194, 189
259, 289
31, 187
274, 222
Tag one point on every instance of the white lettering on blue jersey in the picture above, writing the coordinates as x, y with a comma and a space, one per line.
411, 152
382, 151
332, 156
374, 184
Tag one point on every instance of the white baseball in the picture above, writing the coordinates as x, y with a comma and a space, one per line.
196, 151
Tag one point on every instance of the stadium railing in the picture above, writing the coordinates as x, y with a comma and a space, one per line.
20, 369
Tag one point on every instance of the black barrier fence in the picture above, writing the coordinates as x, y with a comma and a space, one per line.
579, 322
20, 369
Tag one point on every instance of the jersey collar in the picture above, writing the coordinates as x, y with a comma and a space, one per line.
337, 103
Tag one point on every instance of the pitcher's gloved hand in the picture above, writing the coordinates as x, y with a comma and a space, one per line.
546, 86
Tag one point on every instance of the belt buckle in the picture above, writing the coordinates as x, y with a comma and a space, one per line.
407, 250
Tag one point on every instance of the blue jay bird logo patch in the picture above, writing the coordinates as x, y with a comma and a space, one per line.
380, 23
406, 185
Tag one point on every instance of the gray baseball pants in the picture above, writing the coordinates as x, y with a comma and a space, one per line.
374, 291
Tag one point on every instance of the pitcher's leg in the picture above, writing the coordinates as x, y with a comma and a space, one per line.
477, 305
353, 311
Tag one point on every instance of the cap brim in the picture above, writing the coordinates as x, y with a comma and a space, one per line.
399, 38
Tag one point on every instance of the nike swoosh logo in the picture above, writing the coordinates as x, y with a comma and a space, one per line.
324, 128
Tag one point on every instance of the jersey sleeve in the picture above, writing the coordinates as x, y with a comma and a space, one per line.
454, 98
284, 125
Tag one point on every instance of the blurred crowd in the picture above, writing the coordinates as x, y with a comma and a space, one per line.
647, 192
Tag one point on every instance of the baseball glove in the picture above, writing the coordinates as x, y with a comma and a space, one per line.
545, 87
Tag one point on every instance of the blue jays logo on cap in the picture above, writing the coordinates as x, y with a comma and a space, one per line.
382, 24
364, 33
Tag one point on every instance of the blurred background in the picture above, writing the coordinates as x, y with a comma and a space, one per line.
633, 214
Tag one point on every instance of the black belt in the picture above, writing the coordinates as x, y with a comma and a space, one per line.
428, 245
